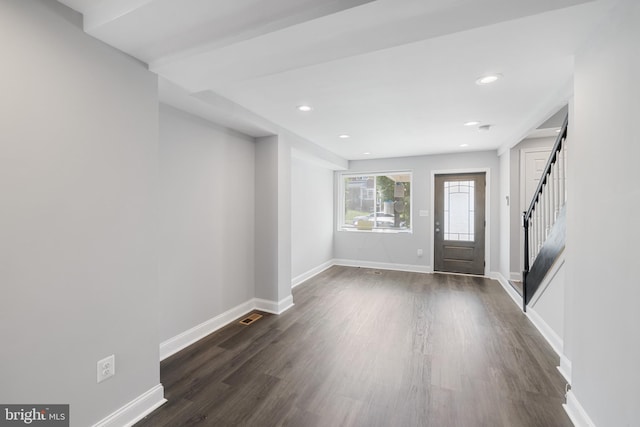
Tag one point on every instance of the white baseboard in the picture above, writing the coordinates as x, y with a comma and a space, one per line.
565, 368
135, 410
383, 265
272, 306
188, 337
309, 274
576, 412
496, 275
515, 276
549, 334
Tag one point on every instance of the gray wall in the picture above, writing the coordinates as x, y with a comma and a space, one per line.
311, 216
273, 219
78, 228
207, 202
401, 248
549, 300
266, 221
505, 215
602, 231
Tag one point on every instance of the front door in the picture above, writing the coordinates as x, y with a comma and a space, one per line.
459, 223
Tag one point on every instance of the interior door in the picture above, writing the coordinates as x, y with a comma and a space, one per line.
532, 164
459, 223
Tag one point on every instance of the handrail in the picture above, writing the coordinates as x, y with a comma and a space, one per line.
557, 146
544, 209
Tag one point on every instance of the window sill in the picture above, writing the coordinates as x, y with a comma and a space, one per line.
377, 230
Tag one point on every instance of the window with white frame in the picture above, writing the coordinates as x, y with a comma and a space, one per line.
376, 201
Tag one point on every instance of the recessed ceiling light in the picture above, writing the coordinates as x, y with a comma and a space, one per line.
344, 136
488, 79
471, 123
464, 145
304, 108
558, 130
366, 153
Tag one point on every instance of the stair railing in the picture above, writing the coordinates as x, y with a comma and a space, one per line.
548, 199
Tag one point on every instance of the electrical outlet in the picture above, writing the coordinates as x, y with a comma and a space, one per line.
419, 252
106, 368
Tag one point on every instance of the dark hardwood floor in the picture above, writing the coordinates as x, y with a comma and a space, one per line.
368, 348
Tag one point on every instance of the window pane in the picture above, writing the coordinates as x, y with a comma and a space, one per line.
377, 201
359, 197
459, 214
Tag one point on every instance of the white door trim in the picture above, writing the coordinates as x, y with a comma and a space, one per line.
487, 211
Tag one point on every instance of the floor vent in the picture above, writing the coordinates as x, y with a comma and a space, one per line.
249, 320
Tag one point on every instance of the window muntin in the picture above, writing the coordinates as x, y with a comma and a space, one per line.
380, 201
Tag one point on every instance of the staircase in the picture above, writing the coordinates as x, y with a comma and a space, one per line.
545, 220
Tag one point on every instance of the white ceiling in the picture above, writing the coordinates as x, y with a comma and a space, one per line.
397, 75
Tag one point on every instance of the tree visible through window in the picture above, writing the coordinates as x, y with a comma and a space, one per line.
378, 201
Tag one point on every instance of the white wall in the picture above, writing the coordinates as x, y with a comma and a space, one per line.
78, 227
207, 201
401, 248
311, 217
602, 231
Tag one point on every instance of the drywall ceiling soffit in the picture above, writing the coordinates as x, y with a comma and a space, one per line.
213, 107
556, 120
396, 75
174, 35
217, 109
154, 29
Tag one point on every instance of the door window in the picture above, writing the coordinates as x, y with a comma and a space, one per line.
459, 210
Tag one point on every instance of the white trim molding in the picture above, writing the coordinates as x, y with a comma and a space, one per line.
272, 306
135, 410
565, 368
190, 336
576, 412
495, 275
383, 265
549, 334
340, 200
515, 276
301, 278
